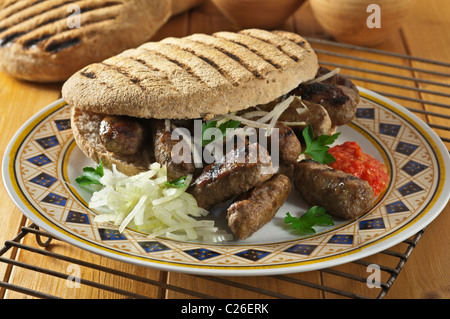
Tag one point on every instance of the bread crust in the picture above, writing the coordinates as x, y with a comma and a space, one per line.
197, 76
38, 43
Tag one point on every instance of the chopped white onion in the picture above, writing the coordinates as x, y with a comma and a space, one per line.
167, 125
251, 114
295, 123
324, 77
146, 203
277, 110
248, 122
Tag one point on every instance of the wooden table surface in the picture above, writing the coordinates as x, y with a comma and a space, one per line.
426, 274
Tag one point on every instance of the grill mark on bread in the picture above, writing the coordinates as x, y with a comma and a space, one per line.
54, 43
255, 73
277, 66
24, 14
34, 41
89, 75
14, 7
232, 72
59, 16
211, 63
279, 47
167, 73
181, 65
133, 79
32, 35
56, 46
10, 37
144, 63
257, 66
129, 59
265, 50
83, 8
248, 59
191, 63
139, 70
281, 40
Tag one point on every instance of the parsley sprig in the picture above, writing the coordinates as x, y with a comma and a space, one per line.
315, 216
90, 179
231, 124
318, 147
178, 183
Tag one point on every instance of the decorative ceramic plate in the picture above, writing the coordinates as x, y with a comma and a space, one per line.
42, 162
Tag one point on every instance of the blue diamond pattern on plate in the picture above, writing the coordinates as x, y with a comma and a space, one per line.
413, 168
396, 207
39, 160
341, 239
110, 234
301, 249
252, 254
48, 142
63, 124
56, 199
363, 113
371, 224
405, 148
44, 179
389, 129
152, 246
409, 188
77, 217
202, 253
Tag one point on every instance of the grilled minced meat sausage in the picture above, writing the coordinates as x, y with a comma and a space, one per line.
337, 94
258, 206
240, 170
341, 194
122, 134
178, 165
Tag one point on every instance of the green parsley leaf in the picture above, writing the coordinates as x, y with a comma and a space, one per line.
206, 126
179, 182
91, 177
315, 216
318, 148
231, 124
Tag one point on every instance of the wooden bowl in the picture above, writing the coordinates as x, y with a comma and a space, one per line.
263, 14
354, 22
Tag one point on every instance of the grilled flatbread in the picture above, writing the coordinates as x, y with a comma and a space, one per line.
184, 78
196, 76
46, 41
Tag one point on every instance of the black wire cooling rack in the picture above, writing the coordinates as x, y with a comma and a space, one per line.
401, 77
399, 254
